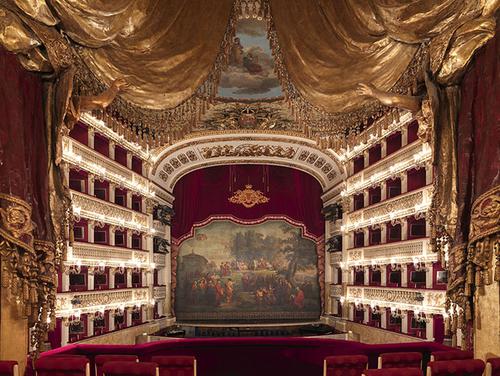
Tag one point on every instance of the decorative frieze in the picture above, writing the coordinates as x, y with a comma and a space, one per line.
336, 291
159, 259
159, 293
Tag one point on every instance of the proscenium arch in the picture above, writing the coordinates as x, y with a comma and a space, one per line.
173, 162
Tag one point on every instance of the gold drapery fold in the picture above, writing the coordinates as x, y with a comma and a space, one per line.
165, 49
348, 42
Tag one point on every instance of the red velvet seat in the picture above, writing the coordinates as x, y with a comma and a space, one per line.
344, 365
451, 355
393, 372
466, 367
172, 365
101, 359
492, 367
9, 368
130, 369
73, 365
400, 360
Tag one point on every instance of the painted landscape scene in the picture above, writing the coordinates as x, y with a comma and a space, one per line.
259, 272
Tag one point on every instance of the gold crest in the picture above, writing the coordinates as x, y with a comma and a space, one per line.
248, 197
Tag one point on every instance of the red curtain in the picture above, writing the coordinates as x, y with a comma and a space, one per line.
205, 192
23, 143
478, 132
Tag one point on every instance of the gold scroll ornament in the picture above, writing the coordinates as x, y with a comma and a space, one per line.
248, 197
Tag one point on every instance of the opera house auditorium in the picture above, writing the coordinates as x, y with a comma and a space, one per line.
249, 187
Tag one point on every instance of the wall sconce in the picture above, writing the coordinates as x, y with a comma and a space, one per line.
76, 268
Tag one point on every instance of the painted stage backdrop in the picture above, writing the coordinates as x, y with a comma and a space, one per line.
252, 273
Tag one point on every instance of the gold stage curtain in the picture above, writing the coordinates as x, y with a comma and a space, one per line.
329, 46
166, 49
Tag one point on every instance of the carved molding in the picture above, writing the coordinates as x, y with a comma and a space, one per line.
92, 254
173, 162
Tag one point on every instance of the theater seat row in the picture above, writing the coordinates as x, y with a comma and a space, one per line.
115, 365
443, 363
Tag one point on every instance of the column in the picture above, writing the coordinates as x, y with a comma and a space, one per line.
144, 313
90, 227
64, 332
351, 312
404, 275
383, 275
383, 233
427, 227
428, 173
335, 275
145, 168
383, 147
143, 204
366, 198
383, 317
366, 271
404, 182
161, 303
111, 320
65, 280
129, 160
90, 183
112, 230
90, 278
366, 157
90, 325
351, 275
335, 307
383, 191
144, 278
429, 271
111, 196
129, 238
65, 168
128, 316
404, 322
129, 199
404, 136
366, 237
366, 314
144, 238
111, 278
91, 137
404, 229
429, 328
111, 149
129, 277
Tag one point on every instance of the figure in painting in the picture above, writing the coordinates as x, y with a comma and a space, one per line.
229, 290
298, 300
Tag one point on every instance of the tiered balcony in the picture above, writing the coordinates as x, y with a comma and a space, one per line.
93, 301
404, 205
408, 157
403, 252
95, 209
90, 160
426, 301
96, 255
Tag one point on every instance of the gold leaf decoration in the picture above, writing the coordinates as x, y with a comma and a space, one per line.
248, 197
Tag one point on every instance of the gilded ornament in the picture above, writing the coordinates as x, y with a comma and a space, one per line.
248, 197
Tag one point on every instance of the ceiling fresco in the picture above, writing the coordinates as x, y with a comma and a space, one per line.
250, 72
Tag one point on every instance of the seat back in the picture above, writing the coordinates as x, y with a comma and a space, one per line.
344, 365
393, 372
101, 359
492, 367
74, 365
175, 365
121, 368
400, 360
451, 355
9, 368
465, 367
